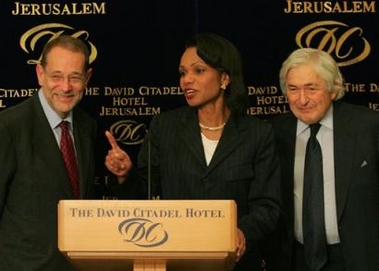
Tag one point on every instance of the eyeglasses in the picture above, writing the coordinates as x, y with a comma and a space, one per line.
72, 79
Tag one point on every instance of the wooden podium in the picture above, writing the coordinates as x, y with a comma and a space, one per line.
148, 235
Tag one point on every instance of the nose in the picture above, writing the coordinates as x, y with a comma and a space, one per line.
303, 96
186, 78
66, 83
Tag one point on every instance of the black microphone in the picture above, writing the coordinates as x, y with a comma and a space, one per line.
148, 169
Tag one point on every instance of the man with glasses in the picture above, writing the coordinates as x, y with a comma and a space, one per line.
33, 173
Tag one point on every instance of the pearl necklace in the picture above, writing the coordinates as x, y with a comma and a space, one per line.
209, 128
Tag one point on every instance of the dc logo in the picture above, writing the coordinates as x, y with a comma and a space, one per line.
44, 33
143, 232
128, 132
345, 43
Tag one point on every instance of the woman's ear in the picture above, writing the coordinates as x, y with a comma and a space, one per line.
225, 80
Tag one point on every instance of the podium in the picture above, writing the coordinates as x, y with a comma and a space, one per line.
148, 235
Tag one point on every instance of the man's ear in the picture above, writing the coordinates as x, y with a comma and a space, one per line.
40, 74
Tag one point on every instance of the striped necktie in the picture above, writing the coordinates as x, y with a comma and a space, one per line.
69, 157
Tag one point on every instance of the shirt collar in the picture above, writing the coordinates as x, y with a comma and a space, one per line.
326, 121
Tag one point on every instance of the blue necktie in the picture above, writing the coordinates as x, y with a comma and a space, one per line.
315, 245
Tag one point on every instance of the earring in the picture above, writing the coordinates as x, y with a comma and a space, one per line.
223, 87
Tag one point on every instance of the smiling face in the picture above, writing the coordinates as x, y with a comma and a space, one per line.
307, 94
200, 82
63, 79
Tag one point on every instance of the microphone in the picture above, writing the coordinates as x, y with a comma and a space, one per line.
148, 169
149, 181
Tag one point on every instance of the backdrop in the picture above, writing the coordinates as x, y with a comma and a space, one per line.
136, 47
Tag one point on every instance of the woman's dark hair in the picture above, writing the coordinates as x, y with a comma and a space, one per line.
222, 55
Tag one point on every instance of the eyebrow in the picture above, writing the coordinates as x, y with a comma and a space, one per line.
73, 73
306, 85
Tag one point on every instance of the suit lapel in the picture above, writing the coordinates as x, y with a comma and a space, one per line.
83, 146
288, 136
189, 132
47, 149
229, 141
344, 141
285, 133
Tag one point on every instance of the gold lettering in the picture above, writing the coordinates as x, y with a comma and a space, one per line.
330, 7
374, 87
373, 106
136, 101
45, 9
92, 91
267, 110
128, 111
265, 90
17, 93
122, 91
355, 87
261, 100
156, 91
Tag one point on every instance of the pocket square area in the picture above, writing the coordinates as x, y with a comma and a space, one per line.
364, 163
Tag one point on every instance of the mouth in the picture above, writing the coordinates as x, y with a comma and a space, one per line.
65, 94
189, 93
66, 97
308, 109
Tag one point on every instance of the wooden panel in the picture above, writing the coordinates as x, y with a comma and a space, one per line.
152, 234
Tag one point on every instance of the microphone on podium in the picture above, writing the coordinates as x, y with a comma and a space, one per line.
148, 169
149, 181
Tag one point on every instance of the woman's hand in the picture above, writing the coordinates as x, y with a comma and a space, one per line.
241, 244
117, 161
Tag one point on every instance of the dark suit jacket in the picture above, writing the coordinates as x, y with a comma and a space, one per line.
32, 181
244, 168
356, 164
